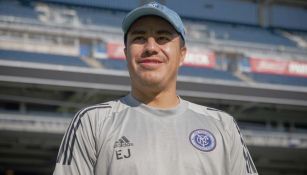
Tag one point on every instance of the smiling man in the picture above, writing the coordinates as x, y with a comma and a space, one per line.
152, 130
154, 52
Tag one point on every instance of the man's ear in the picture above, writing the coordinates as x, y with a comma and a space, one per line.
183, 52
125, 51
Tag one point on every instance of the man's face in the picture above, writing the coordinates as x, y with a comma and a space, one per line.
153, 53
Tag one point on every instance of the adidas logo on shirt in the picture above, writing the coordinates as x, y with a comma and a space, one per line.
122, 150
122, 142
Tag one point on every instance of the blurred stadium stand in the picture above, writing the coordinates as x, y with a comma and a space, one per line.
278, 79
18, 9
42, 58
207, 73
245, 57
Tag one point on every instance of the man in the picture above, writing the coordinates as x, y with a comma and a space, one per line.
152, 131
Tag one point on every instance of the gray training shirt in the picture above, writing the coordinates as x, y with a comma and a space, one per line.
128, 137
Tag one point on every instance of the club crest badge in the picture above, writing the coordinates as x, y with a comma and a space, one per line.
203, 140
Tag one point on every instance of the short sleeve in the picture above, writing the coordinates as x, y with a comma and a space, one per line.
77, 151
241, 162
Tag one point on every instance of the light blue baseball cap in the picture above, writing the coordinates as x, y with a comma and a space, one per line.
156, 9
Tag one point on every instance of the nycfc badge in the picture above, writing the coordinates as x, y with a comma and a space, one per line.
203, 140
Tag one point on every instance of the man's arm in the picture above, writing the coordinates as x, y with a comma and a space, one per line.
240, 159
77, 153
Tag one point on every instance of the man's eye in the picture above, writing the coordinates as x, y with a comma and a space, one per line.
139, 38
162, 40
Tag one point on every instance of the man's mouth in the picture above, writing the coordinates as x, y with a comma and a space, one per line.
151, 61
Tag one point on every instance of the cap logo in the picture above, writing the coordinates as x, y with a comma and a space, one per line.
154, 4
203, 140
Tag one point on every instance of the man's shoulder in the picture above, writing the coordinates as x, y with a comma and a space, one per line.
210, 112
108, 107
219, 117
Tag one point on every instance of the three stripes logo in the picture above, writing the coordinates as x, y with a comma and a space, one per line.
68, 145
122, 148
122, 142
250, 166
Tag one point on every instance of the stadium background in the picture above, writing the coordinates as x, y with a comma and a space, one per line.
246, 57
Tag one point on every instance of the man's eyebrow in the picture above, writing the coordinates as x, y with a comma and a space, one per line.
160, 32
137, 32
165, 32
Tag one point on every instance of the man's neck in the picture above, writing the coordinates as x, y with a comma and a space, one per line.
164, 99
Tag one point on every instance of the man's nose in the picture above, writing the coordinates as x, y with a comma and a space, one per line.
151, 44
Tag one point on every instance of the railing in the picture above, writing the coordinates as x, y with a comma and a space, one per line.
268, 138
28, 123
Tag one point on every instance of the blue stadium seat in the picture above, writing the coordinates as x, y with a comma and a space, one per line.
248, 34
41, 58
114, 64
17, 9
207, 73
289, 17
99, 17
278, 79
